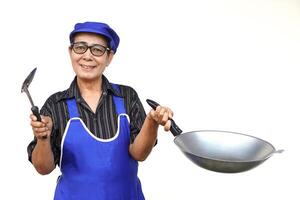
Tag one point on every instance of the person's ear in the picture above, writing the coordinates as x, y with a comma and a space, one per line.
110, 57
70, 50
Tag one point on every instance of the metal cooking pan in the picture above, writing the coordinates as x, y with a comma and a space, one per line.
221, 151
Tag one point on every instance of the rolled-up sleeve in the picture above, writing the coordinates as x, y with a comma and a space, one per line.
137, 115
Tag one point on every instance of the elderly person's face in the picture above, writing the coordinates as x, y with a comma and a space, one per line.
89, 65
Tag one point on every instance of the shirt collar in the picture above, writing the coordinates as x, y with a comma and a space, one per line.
73, 90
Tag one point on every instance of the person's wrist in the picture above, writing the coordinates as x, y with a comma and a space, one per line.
44, 138
151, 120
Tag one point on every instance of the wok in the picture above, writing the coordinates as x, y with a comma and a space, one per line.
221, 151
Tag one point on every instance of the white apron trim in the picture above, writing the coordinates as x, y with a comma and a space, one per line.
89, 132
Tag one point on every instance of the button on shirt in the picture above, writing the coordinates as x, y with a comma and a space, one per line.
102, 123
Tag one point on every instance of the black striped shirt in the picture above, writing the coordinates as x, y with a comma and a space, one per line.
102, 124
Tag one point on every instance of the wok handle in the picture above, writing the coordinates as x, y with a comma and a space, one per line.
36, 112
175, 130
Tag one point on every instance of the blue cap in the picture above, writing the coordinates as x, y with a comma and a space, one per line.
98, 28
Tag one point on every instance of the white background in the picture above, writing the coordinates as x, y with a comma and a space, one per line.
219, 64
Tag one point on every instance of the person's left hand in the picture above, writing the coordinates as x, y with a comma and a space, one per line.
162, 115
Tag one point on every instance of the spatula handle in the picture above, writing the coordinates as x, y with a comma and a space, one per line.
175, 130
36, 112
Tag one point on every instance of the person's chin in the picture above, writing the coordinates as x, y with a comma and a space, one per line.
88, 76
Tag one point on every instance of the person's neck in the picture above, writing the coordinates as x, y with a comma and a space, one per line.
90, 87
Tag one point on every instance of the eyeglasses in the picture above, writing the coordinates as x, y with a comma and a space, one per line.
95, 49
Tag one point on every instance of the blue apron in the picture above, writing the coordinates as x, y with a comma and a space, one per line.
94, 168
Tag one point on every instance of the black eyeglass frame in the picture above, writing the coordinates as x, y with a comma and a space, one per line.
89, 47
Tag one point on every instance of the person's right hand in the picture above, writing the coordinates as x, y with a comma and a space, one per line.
43, 128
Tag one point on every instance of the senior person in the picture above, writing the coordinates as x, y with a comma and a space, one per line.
95, 131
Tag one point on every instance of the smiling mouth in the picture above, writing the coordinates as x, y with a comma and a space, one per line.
87, 66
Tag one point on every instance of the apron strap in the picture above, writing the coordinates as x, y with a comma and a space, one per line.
119, 102
72, 108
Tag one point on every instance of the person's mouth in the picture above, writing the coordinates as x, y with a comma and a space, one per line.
87, 67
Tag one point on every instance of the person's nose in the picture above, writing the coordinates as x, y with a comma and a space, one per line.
88, 55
